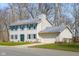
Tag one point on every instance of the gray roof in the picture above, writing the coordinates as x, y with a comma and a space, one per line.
30, 20
26, 21
54, 29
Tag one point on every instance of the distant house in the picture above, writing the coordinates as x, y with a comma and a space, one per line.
39, 30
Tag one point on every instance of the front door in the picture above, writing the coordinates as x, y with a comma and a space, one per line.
22, 37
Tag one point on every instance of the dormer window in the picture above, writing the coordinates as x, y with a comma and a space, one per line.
31, 26
35, 26
22, 27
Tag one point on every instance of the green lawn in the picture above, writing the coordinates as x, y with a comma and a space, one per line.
13, 43
67, 47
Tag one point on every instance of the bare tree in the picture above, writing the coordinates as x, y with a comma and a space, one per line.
4, 24
76, 17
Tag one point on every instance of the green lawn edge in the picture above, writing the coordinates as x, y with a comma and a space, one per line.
64, 47
13, 43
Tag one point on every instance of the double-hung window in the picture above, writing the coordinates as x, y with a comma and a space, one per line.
15, 36
34, 26
31, 36
28, 36
34, 36
12, 36
22, 27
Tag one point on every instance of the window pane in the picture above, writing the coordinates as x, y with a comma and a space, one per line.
11, 36
28, 36
25, 26
15, 36
16, 27
28, 26
22, 27
35, 25
34, 36
11, 27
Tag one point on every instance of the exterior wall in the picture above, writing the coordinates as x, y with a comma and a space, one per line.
19, 32
64, 34
41, 26
48, 38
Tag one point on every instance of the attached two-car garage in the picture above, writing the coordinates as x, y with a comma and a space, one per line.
48, 37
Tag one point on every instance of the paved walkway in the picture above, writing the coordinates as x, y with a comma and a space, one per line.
28, 45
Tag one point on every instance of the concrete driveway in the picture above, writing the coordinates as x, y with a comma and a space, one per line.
14, 51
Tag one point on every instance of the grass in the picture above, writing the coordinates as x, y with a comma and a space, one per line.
13, 43
67, 47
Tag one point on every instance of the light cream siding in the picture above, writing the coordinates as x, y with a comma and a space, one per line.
48, 38
42, 25
13, 33
64, 34
25, 32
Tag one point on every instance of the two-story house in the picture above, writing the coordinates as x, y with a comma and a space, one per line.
39, 30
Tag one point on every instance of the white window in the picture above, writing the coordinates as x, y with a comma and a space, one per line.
16, 37
34, 36
12, 37
31, 36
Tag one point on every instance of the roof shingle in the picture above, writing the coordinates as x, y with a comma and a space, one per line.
26, 21
54, 29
